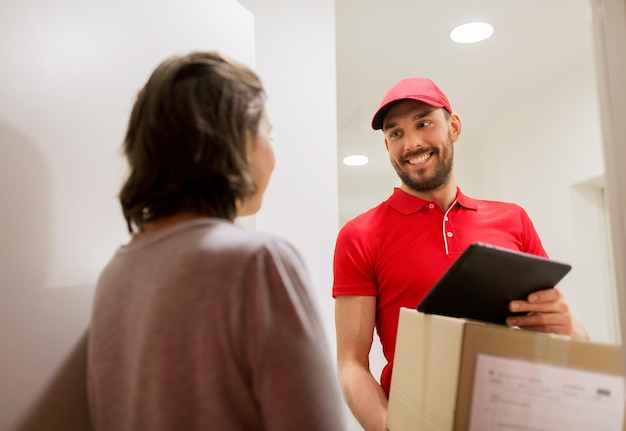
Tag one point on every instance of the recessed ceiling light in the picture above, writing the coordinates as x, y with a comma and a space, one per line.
471, 32
355, 160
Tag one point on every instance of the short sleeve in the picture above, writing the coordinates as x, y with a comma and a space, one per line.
531, 240
353, 264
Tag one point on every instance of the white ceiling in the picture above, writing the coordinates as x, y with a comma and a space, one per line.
381, 42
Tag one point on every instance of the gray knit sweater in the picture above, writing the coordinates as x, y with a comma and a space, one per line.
209, 326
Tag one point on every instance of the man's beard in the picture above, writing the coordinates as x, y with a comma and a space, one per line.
439, 177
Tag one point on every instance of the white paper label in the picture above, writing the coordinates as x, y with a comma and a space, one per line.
515, 395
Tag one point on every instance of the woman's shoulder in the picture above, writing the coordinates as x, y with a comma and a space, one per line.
245, 240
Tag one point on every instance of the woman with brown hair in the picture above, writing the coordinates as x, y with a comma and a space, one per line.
200, 324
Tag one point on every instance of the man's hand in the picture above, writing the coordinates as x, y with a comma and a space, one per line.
547, 311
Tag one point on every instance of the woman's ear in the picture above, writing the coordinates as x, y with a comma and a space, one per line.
249, 147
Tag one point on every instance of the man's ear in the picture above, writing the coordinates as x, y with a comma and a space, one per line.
386, 145
455, 126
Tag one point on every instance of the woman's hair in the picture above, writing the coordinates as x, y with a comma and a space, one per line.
186, 139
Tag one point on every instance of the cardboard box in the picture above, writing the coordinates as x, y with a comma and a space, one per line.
525, 380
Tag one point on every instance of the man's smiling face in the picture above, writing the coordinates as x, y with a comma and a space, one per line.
419, 139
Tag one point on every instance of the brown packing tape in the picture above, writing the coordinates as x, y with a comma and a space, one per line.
431, 416
554, 347
443, 359
425, 343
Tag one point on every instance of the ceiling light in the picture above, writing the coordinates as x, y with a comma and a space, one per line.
471, 32
355, 160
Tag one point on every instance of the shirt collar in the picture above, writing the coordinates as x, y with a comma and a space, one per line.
407, 204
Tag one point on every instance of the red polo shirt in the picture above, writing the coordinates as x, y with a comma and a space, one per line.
399, 249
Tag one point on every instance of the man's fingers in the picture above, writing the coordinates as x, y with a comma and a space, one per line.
560, 307
546, 295
543, 322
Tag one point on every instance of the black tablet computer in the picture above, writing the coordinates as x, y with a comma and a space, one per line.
484, 279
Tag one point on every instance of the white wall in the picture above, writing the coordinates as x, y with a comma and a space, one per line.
295, 56
546, 154
71, 70
609, 23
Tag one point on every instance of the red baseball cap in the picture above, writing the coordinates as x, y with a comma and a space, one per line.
421, 89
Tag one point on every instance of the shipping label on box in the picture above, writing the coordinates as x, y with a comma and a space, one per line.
511, 394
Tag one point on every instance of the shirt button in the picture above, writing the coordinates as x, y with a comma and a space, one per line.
445, 218
450, 234
431, 206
